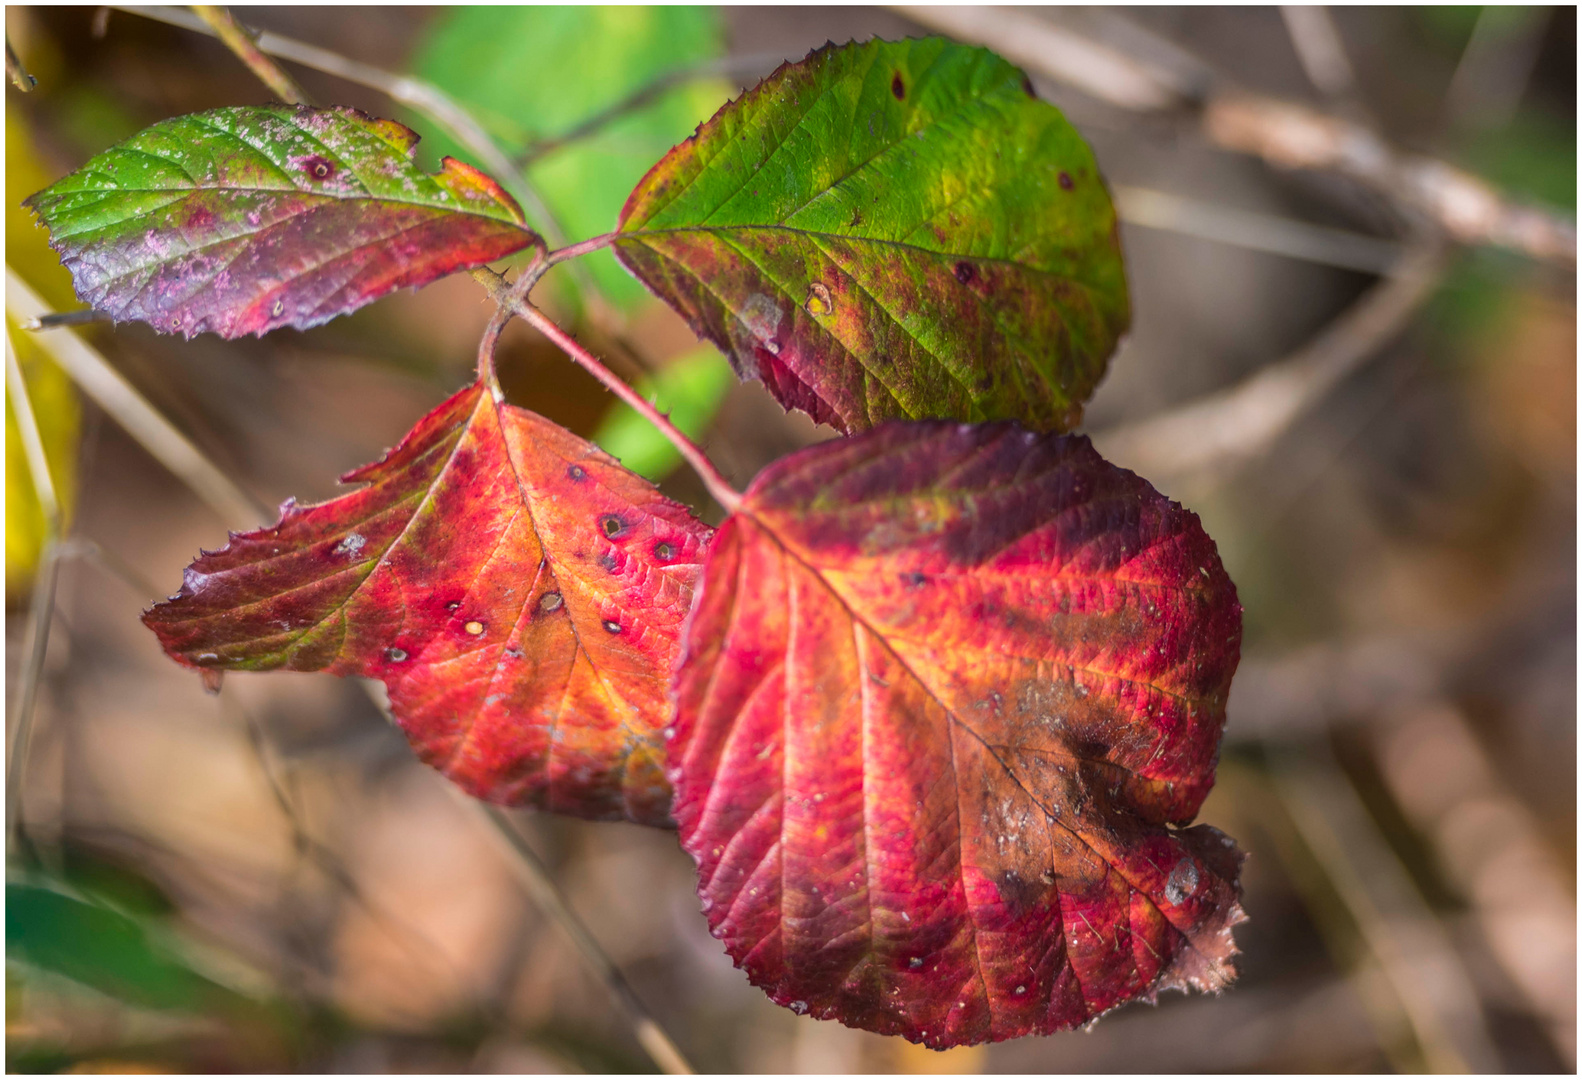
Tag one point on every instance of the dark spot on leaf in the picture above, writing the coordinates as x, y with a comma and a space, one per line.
664, 552
550, 601
576, 472
1027, 86
1066, 182
612, 626
965, 272
915, 578
607, 561
611, 525
317, 167
1018, 894
898, 88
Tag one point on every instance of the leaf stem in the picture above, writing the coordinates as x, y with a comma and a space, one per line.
505, 299
718, 486
571, 251
240, 42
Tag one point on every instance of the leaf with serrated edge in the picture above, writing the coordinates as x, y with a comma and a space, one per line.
946, 696
891, 230
242, 220
518, 592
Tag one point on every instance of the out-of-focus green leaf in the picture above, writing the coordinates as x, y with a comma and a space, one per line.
53, 397
1533, 157
106, 950
689, 388
536, 73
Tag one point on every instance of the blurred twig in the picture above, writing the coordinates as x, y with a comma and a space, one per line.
16, 72
411, 939
727, 65
535, 878
1466, 207
1254, 231
1495, 66
1401, 931
41, 606
1492, 852
241, 42
1317, 42
105, 386
1235, 425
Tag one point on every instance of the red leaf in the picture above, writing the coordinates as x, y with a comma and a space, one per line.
944, 694
517, 590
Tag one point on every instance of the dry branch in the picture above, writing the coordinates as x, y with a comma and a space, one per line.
1468, 208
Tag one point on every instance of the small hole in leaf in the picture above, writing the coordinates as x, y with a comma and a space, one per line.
280, 306
898, 88
915, 963
818, 299
612, 626
612, 526
395, 656
550, 601
474, 628
576, 472
664, 552
318, 168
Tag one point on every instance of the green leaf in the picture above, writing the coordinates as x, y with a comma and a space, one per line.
106, 950
246, 219
536, 73
891, 230
689, 388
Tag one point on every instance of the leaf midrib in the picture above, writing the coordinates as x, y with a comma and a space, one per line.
955, 719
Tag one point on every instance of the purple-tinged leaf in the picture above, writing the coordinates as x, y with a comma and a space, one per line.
242, 220
947, 696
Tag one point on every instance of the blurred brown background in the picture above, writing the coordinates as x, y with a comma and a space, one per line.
1400, 759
